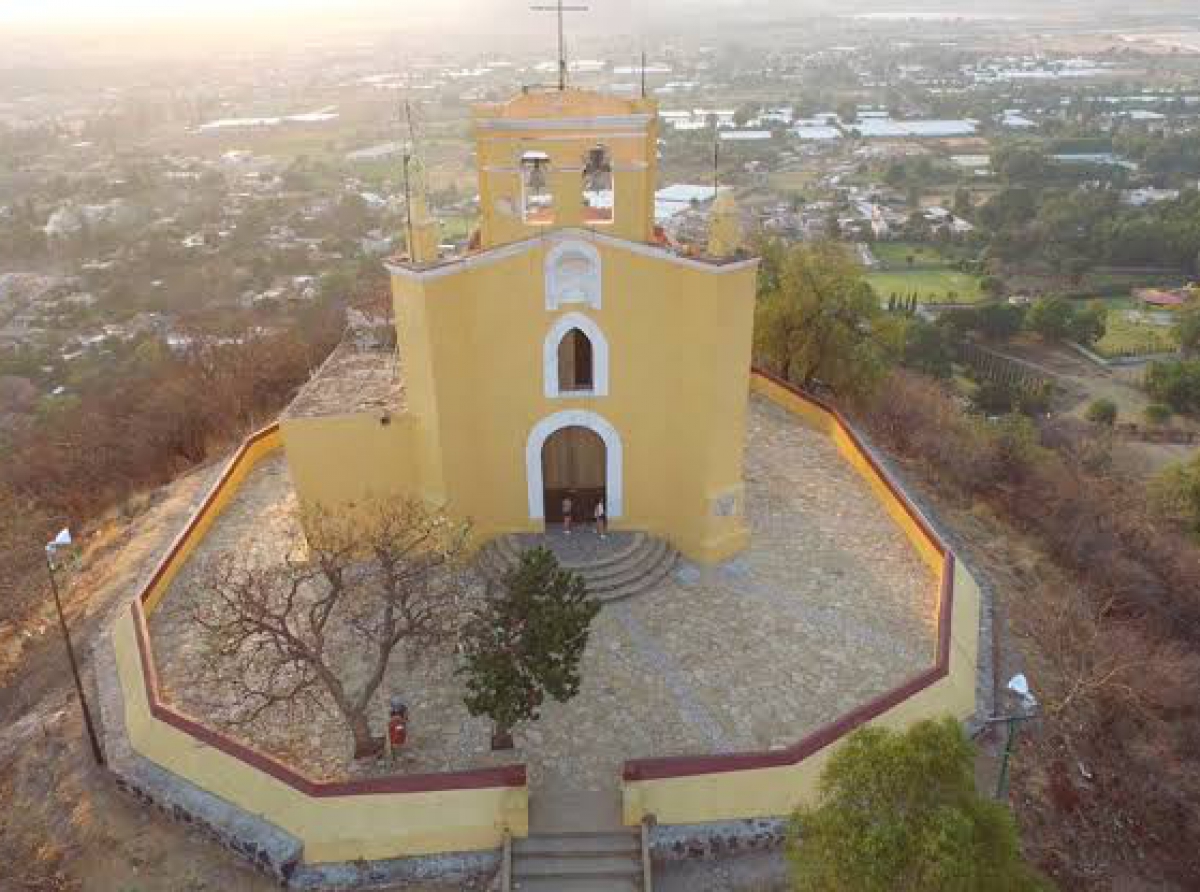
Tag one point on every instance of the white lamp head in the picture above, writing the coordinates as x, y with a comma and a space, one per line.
1019, 685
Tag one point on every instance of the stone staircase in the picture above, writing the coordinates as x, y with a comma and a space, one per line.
578, 861
621, 566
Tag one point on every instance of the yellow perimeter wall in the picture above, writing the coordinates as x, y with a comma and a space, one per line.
333, 829
338, 828
722, 796
389, 825
240, 465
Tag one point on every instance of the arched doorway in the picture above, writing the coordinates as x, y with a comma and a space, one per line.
611, 453
573, 466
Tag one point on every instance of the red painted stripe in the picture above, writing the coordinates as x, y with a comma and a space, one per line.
482, 778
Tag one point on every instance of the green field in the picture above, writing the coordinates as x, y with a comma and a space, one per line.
792, 180
932, 286
894, 255
1131, 337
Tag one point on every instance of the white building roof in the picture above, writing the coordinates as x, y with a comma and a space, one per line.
816, 132
745, 135
921, 128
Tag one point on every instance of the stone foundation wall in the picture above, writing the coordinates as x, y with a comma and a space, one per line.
720, 839
268, 848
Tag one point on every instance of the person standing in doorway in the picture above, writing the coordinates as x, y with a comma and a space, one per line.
567, 506
601, 519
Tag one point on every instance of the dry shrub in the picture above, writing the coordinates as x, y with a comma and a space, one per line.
166, 416
1116, 635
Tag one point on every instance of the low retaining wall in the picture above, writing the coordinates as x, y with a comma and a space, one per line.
318, 832
749, 785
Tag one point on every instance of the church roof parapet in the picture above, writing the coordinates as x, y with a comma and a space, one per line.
358, 376
545, 106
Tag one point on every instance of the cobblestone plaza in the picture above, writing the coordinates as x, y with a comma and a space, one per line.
829, 607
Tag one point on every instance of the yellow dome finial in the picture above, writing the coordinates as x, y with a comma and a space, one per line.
725, 226
426, 234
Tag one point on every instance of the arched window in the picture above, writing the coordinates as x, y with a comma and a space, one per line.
575, 358
599, 196
537, 199
574, 362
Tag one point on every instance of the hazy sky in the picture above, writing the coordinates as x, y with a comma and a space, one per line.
71, 11
473, 14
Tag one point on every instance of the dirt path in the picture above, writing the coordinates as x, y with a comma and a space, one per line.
65, 825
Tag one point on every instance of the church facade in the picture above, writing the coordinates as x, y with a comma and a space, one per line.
571, 354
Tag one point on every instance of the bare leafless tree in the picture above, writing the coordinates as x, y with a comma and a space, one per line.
387, 574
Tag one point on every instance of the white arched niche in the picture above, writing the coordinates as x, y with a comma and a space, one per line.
613, 458
572, 272
558, 331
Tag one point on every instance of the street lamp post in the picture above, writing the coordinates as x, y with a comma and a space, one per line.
1018, 685
64, 538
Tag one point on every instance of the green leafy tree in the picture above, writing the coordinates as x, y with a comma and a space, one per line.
963, 205
1157, 413
771, 253
899, 810
994, 398
527, 643
1176, 384
995, 321
1051, 318
1102, 412
1187, 329
1020, 164
1175, 493
824, 323
1088, 325
745, 112
927, 348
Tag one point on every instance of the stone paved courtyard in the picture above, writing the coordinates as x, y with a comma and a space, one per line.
829, 607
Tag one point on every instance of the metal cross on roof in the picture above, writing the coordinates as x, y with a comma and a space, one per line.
559, 8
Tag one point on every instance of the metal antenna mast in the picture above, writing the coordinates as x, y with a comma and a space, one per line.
716, 161
408, 155
559, 8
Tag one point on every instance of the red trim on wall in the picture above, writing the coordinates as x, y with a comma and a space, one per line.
505, 776
515, 775
686, 766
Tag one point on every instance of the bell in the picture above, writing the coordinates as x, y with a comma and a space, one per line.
596, 166
536, 173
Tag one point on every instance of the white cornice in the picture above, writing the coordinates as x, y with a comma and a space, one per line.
500, 125
514, 249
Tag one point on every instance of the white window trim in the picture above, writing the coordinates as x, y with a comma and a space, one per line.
592, 286
613, 458
558, 331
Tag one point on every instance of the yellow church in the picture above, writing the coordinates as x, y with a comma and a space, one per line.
571, 353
